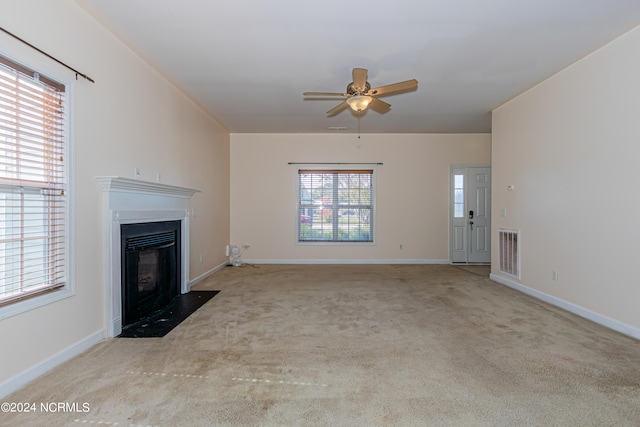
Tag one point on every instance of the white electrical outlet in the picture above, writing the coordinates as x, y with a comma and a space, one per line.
227, 250
554, 275
137, 173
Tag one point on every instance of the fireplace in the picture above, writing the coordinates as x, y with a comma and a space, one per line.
131, 202
150, 268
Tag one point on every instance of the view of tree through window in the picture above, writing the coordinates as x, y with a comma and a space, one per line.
335, 205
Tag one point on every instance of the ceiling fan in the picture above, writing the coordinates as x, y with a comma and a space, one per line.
360, 96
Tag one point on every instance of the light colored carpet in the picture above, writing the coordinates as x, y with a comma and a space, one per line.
354, 345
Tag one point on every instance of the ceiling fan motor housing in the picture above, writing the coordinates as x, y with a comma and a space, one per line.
351, 90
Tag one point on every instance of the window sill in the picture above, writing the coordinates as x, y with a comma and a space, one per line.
35, 302
329, 243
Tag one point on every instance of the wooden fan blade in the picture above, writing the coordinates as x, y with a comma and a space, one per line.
324, 94
359, 79
396, 87
379, 106
335, 110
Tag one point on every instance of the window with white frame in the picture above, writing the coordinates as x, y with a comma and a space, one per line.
33, 190
335, 205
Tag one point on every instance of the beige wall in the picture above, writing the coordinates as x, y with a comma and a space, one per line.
412, 193
131, 117
571, 147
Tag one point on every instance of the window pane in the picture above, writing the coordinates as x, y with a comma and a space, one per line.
458, 196
32, 183
335, 206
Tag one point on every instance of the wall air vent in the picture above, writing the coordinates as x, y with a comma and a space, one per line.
509, 252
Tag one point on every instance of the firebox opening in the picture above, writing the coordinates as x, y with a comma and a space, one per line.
151, 254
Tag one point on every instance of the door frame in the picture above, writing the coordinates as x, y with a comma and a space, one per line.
452, 168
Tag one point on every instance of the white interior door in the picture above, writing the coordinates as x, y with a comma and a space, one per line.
470, 214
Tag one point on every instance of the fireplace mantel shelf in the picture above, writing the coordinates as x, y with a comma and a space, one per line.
128, 185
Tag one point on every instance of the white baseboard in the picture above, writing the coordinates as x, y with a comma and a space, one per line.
206, 274
23, 378
16, 382
608, 322
346, 261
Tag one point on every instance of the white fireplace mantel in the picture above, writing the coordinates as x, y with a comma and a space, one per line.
131, 201
119, 184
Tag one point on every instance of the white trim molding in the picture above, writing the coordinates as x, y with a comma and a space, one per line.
206, 274
131, 201
346, 261
23, 378
600, 319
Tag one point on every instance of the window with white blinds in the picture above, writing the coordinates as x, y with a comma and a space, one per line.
33, 198
335, 205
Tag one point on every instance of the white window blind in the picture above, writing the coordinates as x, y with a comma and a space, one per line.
335, 205
32, 183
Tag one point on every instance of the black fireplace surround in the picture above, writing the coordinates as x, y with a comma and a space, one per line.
151, 255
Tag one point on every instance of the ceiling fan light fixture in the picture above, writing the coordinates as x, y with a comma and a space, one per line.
359, 102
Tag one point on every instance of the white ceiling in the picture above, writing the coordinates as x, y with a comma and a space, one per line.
248, 61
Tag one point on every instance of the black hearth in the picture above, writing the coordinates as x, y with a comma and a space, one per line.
151, 254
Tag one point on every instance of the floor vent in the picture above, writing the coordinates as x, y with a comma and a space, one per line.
510, 252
